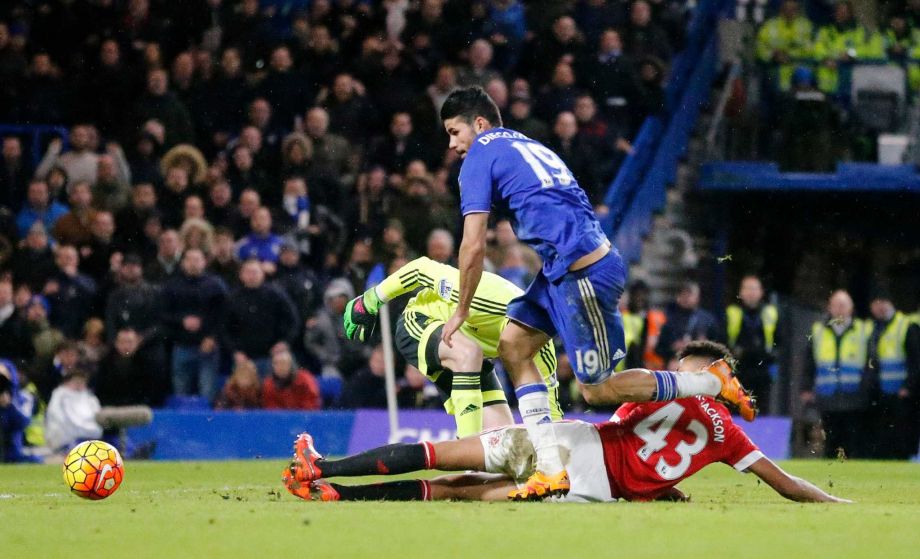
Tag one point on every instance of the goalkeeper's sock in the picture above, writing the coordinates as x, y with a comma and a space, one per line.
670, 386
466, 395
533, 404
397, 458
412, 490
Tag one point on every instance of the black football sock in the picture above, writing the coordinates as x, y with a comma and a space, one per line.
413, 490
392, 459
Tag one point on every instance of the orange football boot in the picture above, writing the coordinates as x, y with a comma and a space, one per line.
540, 486
294, 487
732, 391
304, 467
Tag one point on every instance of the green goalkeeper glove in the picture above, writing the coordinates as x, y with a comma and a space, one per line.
361, 315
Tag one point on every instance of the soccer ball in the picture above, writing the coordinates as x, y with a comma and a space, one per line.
93, 470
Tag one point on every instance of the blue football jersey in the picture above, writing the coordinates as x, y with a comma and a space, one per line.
508, 170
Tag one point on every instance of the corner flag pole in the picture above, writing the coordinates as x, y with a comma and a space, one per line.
386, 336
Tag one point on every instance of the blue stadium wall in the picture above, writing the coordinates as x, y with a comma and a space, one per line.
226, 435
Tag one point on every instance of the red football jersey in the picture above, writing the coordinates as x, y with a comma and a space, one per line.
650, 447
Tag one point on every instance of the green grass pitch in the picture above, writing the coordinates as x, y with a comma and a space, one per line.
240, 509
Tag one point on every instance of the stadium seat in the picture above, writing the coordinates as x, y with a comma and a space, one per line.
878, 78
878, 96
877, 111
330, 388
188, 403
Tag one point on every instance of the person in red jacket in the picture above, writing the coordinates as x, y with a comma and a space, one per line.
289, 387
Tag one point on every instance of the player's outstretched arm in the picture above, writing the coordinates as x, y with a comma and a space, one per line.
360, 315
472, 254
791, 487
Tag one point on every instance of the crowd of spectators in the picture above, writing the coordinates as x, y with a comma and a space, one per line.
234, 170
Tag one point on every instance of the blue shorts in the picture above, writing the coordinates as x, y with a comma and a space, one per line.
582, 308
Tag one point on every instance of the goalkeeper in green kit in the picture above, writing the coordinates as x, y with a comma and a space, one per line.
464, 372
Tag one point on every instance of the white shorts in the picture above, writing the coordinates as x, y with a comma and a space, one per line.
508, 451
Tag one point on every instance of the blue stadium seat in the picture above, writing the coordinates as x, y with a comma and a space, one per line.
188, 403
330, 388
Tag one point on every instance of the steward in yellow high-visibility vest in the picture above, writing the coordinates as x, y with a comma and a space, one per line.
894, 363
835, 377
751, 335
844, 41
783, 39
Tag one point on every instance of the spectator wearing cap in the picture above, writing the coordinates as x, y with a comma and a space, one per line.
894, 371
289, 387
192, 307
259, 318
74, 227
145, 157
71, 293
133, 304
71, 414
261, 244
297, 281
33, 260
39, 207
325, 337
520, 119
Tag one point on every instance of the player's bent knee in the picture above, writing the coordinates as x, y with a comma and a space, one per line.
465, 355
512, 351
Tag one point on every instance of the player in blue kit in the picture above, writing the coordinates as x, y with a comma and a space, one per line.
576, 293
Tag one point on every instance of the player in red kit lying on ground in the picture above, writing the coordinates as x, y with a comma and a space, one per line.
640, 455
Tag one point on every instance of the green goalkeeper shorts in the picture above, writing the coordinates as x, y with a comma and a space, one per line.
417, 339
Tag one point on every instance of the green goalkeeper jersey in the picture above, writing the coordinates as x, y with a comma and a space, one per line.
439, 297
